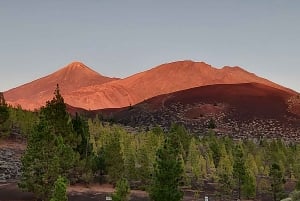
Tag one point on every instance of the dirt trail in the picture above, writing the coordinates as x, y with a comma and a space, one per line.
11, 192
13, 144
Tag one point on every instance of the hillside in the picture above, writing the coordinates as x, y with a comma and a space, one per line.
248, 109
85, 88
33, 95
163, 79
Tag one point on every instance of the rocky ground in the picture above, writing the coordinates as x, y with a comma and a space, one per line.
10, 164
10, 192
10, 154
227, 122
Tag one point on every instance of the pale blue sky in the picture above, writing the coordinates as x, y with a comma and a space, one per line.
120, 38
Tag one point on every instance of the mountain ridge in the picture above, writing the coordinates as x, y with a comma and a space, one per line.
85, 88
165, 78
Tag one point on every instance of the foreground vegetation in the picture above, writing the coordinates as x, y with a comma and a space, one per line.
63, 149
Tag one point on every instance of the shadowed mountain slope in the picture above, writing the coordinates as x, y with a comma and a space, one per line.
237, 109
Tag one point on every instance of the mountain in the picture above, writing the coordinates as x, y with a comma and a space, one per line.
194, 94
33, 95
84, 88
247, 109
163, 79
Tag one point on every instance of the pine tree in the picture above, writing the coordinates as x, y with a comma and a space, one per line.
113, 159
41, 161
81, 128
168, 172
225, 173
277, 181
251, 164
249, 186
5, 122
225, 185
49, 150
215, 149
60, 190
143, 167
4, 114
56, 114
210, 166
194, 160
239, 169
122, 190
196, 164
84, 168
184, 138
128, 150
147, 145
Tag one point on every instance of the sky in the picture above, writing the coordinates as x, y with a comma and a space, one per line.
124, 37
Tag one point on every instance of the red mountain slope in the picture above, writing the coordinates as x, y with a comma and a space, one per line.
73, 76
84, 88
162, 79
251, 99
247, 109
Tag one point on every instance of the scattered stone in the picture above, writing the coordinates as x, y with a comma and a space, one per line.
10, 165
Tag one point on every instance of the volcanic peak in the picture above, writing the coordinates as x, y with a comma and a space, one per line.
78, 66
70, 78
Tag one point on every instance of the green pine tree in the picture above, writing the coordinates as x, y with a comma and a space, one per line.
5, 123
239, 170
56, 114
41, 161
122, 191
184, 138
87, 160
225, 173
114, 162
49, 152
4, 114
249, 186
168, 172
277, 181
194, 161
60, 190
